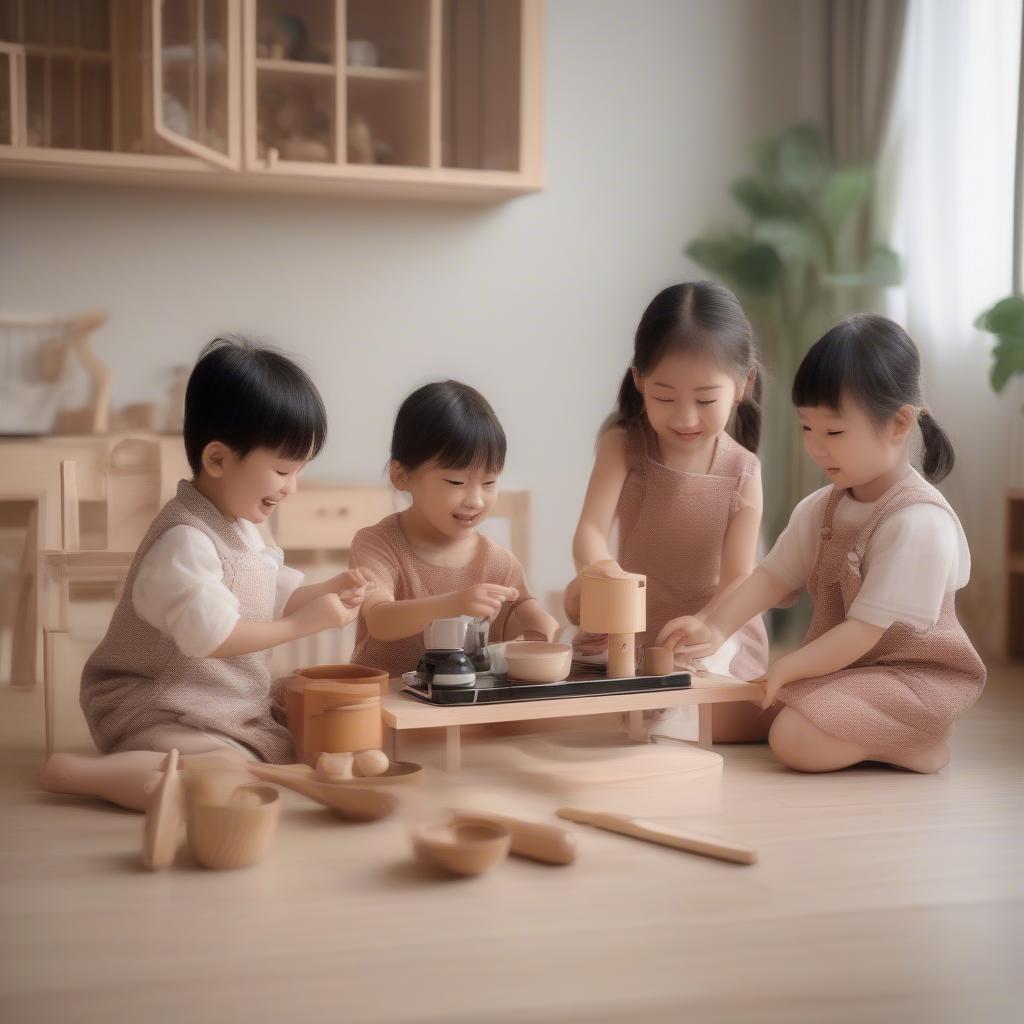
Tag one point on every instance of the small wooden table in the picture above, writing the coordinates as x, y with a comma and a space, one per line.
401, 711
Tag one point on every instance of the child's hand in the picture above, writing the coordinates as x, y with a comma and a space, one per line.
352, 586
328, 611
691, 636
775, 679
484, 600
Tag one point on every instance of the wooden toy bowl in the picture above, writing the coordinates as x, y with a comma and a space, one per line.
235, 834
534, 661
462, 847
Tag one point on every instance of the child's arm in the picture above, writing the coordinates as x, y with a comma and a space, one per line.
697, 636
387, 619
324, 612
530, 621
840, 646
590, 542
351, 580
739, 549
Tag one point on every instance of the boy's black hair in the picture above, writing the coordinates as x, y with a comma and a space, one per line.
248, 396
451, 424
871, 360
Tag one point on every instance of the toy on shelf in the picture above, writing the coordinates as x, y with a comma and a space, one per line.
614, 601
295, 123
35, 378
286, 37
657, 661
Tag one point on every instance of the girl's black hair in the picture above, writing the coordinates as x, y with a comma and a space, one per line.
451, 424
248, 396
696, 316
871, 360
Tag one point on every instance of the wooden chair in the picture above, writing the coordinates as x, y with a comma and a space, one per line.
133, 489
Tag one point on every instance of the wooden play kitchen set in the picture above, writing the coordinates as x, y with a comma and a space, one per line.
529, 680
335, 714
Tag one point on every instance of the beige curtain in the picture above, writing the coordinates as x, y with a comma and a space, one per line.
863, 42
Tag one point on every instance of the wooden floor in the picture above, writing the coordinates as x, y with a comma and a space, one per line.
879, 896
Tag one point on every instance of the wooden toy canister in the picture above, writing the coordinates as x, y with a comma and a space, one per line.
356, 681
616, 605
339, 717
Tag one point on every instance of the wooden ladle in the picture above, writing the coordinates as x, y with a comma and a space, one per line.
343, 798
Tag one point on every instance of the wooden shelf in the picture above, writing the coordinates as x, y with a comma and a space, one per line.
144, 92
363, 74
294, 67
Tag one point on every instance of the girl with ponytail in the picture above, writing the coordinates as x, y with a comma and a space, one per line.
885, 668
677, 471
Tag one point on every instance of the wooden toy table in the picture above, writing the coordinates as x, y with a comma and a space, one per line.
400, 711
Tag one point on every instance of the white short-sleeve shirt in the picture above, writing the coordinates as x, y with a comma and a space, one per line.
180, 590
916, 557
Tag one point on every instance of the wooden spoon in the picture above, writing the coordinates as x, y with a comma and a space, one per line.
549, 844
164, 816
343, 798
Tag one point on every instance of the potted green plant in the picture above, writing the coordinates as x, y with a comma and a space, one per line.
803, 259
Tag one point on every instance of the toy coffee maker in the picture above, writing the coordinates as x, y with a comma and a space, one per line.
613, 601
444, 661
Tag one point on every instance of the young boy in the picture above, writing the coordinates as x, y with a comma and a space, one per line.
185, 662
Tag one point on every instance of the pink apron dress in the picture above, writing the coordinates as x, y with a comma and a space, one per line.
907, 691
672, 527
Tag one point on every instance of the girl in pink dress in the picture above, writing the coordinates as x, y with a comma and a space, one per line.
684, 492
885, 668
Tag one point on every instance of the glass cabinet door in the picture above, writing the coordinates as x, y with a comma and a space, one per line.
196, 87
12, 89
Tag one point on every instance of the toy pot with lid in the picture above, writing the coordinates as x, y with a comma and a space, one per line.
614, 601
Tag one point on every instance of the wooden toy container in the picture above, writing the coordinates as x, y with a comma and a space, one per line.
616, 605
336, 721
345, 681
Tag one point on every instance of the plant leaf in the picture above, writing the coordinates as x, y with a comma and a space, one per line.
803, 159
1007, 360
793, 241
763, 200
844, 191
745, 263
1006, 317
881, 271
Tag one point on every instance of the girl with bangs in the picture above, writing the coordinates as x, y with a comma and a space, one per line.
429, 561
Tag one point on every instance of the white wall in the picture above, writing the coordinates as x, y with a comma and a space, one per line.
651, 106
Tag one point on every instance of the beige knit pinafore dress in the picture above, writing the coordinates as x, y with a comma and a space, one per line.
907, 691
672, 526
138, 679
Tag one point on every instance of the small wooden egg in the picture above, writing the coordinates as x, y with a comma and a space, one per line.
369, 763
334, 767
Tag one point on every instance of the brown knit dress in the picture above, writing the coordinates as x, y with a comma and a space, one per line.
907, 691
137, 680
672, 527
384, 552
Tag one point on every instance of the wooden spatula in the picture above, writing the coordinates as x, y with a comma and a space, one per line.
651, 832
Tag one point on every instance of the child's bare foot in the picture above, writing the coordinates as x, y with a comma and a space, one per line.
58, 773
927, 761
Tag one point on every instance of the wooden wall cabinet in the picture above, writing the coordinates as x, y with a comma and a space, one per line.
416, 98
